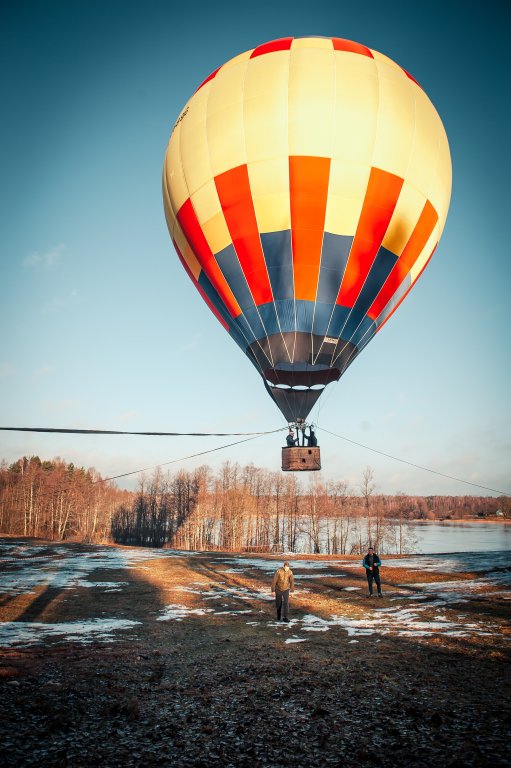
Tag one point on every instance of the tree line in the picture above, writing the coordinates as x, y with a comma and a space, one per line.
237, 508
56, 500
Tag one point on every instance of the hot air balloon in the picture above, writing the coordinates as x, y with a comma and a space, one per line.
306, 184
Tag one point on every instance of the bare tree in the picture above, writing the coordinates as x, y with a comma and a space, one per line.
367, 487
341, 515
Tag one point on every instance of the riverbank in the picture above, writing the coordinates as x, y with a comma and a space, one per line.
447, 521
119, 656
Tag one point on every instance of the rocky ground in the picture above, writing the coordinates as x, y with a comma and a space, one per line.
123, 657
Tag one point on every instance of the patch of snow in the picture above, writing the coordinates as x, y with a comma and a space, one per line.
180, 612
232, 613
63, 568
314, 624
23, 633
244, 593
295, 640
319, 575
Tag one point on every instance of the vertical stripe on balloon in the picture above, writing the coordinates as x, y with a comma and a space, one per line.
199, 245
235, 196
308, 191
380, 200
411, 252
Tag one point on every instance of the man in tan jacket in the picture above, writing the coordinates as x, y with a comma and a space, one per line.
283, 583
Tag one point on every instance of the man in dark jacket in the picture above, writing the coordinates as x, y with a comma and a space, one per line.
371, 563
291, 440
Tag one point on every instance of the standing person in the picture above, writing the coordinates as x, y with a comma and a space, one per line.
371, 563
291, 440
312, 440
283, 583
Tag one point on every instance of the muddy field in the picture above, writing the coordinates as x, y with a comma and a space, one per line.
117, 656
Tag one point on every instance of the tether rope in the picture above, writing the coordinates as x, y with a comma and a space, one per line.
118, 432
417, 466
184, 458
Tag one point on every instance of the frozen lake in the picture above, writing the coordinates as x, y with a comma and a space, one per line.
462, 537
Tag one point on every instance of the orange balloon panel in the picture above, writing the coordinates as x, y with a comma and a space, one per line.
306, 185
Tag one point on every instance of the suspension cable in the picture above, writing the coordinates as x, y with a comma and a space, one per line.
184, 458
118, 432
417, 466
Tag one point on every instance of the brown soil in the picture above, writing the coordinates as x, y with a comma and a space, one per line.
226, 690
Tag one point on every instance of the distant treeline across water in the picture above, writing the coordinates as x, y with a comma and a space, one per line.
237, 508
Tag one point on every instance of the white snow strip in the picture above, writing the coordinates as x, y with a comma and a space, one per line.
318, 575
22, 633
180, 612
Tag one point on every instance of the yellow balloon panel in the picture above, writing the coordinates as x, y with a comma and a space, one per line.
346, 191
429, 169
206, 203
311, 102
269, 183
216, 233
355, 108
176, 184
265, 107
395, 121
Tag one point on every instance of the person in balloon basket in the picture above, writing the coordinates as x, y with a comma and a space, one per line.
371, 563
283, 583
291, 440
312, 440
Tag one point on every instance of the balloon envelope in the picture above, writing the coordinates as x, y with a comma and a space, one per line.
306, 185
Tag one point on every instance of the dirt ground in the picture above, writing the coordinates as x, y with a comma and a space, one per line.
216, 681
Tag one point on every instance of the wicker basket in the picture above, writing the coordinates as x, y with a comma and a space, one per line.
301, 459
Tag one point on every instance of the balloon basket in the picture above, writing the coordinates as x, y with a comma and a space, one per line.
301, 459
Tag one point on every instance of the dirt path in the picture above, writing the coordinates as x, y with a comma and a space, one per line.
124, 657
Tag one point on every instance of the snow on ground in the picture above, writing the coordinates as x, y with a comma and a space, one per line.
180, 612
27, 567
395, 621
23, 633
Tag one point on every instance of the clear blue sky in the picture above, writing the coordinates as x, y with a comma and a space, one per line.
101, 327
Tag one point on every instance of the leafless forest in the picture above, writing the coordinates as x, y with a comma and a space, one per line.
236, 508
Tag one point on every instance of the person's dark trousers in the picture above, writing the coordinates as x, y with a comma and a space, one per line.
376, 576
282, 603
